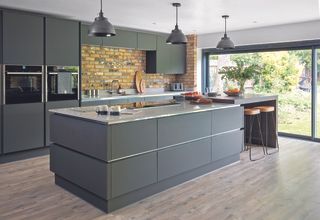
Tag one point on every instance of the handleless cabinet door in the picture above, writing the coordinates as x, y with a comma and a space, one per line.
55, 105
227, 119
1, 34
85, 39
23, 127
178, 59
163, 57
62, 42
123, 38
147, 41
23, 38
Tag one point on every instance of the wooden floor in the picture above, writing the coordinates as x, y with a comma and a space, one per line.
282, 186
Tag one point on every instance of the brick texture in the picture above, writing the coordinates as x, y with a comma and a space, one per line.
101, 65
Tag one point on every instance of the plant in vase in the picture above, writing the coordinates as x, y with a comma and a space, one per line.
240, 73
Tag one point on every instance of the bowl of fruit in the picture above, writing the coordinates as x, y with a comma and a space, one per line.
232, 92
192, 95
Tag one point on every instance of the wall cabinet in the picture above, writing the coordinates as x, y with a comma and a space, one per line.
147, 41
169, 59
23, 127
23, 38
62, 42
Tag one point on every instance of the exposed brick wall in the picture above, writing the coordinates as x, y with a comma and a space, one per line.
190, 78
101, 65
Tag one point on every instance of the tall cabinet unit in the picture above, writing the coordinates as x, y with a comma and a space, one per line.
62, 49
1, 62
23, 44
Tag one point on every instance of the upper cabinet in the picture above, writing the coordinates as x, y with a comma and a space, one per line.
169, 59
23, 38
123, 38
62, 42
147, 41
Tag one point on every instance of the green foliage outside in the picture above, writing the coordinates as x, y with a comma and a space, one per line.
280, 74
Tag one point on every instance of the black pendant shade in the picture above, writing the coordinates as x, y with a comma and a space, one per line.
101, 27
225, 42
176, 36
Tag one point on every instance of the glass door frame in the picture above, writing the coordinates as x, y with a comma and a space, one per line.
312, 45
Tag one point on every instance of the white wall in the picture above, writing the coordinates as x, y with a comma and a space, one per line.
273, 34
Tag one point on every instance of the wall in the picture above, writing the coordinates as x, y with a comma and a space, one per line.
264, 35
101, 65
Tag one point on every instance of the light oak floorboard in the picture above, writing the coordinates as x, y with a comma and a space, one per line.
285, 185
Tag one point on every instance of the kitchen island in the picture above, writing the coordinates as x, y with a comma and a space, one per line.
112, 161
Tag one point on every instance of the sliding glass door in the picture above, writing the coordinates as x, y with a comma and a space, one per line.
287, 73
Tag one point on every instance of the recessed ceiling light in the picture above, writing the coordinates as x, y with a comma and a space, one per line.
254, 22
154, 23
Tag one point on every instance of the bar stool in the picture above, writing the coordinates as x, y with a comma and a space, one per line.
251, 114
269, 110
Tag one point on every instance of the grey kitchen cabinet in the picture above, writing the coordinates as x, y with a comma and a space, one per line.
23, 127
123, 38
178, 129
62, 42
85, 39
140, 136
163, 55
227, 144
182, 158
133, 173
147, 41
234, 116
23, 38
168, 58
1, 34
55, 105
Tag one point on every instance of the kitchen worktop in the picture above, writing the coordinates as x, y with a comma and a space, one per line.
138, 95
88, 113
245, 99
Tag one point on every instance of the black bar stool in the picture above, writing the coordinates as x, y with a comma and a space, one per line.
251, 114
269, 110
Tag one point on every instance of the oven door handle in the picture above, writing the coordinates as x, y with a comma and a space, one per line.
24, 73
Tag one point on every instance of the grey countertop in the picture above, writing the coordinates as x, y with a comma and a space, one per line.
143, 95
245, 99
88, 113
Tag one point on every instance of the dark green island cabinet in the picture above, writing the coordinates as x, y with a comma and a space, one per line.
112, 161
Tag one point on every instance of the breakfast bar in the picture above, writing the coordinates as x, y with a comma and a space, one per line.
113, 161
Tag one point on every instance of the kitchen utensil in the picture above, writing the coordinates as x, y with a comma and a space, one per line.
137, 79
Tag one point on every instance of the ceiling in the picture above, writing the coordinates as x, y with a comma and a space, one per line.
195, 16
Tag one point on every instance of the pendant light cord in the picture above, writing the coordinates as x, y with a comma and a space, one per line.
100, 6
225, 26
176, 15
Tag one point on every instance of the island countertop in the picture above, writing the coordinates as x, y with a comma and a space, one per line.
89, 113
245, 99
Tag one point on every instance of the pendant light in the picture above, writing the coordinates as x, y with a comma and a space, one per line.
101, 27
225, 42
176, 36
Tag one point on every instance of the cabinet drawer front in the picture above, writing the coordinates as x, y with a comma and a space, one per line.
88, 138
227, 144
133, 173
134, 137
84, 171
227, 119
23, 127
183, 158
178, 129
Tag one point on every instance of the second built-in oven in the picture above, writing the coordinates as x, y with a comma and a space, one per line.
62, 83
22, 84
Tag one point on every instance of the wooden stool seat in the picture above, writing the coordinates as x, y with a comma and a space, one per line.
251, 111
265, 108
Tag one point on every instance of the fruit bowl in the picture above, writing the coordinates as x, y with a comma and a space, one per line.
232, 93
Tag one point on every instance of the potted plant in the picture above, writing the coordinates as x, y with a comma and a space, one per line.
240, 73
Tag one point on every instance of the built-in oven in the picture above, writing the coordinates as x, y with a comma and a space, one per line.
22, 84
62, 83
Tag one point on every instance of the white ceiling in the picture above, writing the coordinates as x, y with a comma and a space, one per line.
195, 16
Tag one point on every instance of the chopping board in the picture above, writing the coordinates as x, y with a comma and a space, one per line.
137, 79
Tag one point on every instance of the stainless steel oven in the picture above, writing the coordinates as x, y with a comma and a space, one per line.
22, 84
62, 83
